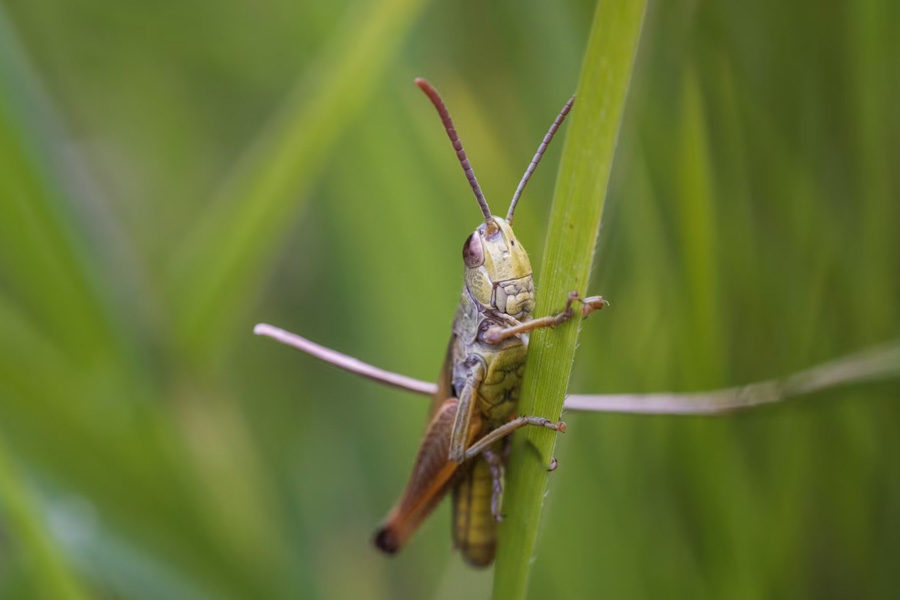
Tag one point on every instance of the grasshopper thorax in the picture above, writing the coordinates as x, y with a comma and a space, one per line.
498, 272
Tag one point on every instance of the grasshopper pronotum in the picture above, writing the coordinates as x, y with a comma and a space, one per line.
473, 408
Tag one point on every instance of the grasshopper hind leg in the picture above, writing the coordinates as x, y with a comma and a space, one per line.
431, 477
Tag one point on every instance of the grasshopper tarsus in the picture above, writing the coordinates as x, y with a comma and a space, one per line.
553, 464
588, 304
591, 304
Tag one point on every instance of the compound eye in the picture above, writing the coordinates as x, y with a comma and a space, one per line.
473, 252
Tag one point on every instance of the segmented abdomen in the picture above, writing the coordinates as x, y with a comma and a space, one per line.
474, 527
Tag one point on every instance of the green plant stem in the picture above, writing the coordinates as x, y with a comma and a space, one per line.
571, 238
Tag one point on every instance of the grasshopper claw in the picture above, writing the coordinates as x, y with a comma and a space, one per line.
592, 303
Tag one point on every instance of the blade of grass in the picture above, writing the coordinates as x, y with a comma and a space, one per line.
44, 265
571, 237
212, 279
51, 574
696, 225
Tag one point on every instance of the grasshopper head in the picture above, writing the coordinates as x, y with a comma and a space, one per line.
498, 272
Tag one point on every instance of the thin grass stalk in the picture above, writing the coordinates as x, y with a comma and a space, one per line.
571, 238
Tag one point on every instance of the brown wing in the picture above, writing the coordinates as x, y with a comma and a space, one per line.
432, 476
474, 526
429, 482
445, 380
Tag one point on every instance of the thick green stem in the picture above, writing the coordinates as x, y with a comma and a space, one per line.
571, 238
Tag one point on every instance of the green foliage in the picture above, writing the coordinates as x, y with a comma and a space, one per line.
53, 579
214, 279
174, 172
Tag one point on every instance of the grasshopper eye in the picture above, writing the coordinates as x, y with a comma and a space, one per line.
473, 252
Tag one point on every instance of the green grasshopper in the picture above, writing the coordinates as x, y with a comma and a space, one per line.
473, 408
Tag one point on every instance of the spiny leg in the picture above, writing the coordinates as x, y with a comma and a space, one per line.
459, 436
507, 428
495, 335
495, 462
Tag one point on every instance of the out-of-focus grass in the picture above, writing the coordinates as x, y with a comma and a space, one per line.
53, 578
44, 267
219, 265
262, 474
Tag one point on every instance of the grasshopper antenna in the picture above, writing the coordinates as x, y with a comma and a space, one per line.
457, 145
537, 157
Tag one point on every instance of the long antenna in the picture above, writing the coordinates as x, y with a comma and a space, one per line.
457, 145
537, 158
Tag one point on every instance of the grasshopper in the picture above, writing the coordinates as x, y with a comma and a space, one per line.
473, 408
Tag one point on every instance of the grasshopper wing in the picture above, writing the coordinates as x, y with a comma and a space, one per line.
445, 380
431, 478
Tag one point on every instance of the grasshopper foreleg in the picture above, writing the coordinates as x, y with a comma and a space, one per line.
495, 335
506, 429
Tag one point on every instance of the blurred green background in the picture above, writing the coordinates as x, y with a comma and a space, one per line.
171, 173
